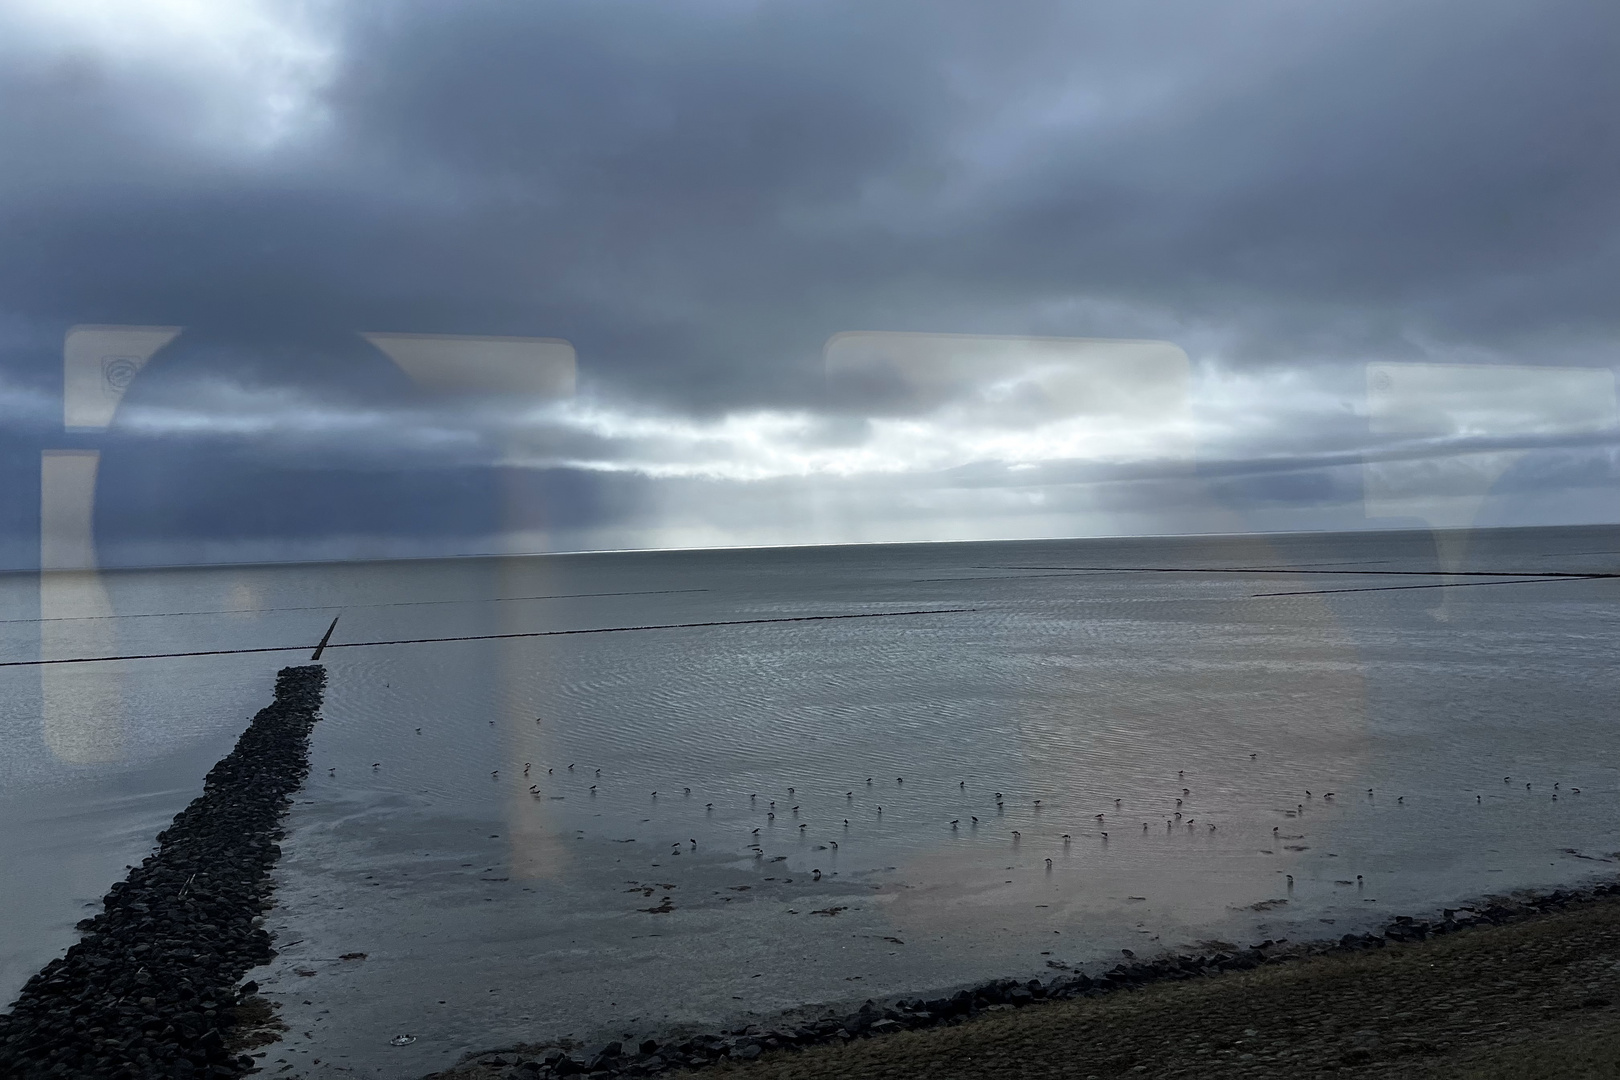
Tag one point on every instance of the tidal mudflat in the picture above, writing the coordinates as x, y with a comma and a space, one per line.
1090, 747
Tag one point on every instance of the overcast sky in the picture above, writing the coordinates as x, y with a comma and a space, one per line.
700, 197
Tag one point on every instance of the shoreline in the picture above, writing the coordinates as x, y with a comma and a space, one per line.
777, 1044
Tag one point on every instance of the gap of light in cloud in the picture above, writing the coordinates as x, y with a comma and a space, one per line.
1034, 416
769, 444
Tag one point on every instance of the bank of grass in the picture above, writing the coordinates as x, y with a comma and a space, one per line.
1536, 999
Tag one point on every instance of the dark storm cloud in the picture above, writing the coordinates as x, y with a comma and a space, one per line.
711, 196
698, 196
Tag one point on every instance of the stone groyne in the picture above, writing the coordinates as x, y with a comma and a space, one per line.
150, 989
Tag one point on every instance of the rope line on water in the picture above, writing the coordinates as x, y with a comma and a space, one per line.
486, 637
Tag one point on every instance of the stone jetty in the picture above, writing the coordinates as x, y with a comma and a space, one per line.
151, 988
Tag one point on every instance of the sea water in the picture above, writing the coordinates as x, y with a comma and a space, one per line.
1062, 750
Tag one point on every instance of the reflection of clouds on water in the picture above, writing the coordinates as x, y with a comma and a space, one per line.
538, 846
81, 707
1072, 687
1138, 702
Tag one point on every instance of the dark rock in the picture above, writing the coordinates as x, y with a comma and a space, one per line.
179, 927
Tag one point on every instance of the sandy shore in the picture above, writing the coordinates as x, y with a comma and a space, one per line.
1533, 998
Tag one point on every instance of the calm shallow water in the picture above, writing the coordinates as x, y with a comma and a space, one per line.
490, 912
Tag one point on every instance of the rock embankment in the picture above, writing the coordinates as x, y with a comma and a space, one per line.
150, 989
1523, 999
1332, 1031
